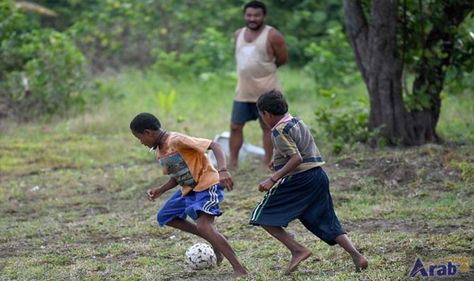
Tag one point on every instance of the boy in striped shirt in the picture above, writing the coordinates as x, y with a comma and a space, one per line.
299, 187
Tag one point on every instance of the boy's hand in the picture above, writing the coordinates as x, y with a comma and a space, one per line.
225, 180
152, 194
265, 185
270, 166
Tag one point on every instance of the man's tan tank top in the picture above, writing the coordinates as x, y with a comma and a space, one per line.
255, 68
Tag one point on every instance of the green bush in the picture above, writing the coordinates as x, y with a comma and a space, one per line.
343, 123
335, 73
171, 63
48, 75
212, 52
460, 73
113, 33
12, 26
117, 33
333, 61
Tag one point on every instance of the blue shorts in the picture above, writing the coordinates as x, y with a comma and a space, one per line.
304, 196
177, 206
242, 112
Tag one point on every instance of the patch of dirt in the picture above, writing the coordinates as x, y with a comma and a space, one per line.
392, 172
347, 163
16, 248
420, 227
429, 164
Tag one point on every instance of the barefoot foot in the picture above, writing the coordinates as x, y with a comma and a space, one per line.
296, 258
239, 273
219, 257
360, 263
233, 165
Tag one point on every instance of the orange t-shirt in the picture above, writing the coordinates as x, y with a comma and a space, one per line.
193, 151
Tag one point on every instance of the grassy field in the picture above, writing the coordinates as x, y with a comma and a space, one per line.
73, 203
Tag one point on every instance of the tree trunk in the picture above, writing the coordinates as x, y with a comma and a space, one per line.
375, 49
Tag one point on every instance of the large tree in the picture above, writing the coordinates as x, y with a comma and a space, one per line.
390, 37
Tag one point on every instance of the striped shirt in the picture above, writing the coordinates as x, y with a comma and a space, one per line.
291, 136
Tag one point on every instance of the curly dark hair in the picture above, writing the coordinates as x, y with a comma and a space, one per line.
272, 102
144, 121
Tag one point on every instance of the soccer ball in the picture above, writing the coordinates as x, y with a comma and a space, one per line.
200, 256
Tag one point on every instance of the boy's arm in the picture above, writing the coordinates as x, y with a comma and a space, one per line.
225, 179
294, 161
157, 192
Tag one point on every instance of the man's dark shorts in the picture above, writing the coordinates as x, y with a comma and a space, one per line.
242, 112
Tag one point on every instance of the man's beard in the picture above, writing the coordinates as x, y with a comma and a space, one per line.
255, 26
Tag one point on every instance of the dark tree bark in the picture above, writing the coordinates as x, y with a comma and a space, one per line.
376, 52
431, 70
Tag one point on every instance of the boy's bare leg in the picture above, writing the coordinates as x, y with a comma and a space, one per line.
235, 144
298, 252
359, 260
190, 227
205, 227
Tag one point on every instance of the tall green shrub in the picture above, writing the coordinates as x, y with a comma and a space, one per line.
344, 123
41, 70
332, 64
52, 78
212, 52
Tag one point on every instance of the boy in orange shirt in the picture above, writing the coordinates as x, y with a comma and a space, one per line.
184, 159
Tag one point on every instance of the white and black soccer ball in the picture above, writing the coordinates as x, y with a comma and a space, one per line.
200, 256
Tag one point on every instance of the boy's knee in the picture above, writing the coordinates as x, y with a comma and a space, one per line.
234, 127
203, 224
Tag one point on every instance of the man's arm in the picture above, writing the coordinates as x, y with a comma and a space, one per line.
278, 46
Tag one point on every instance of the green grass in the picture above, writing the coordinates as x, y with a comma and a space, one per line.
456, 118
73, 205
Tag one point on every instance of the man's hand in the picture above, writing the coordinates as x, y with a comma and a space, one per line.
225, 180
152, 194
266, 185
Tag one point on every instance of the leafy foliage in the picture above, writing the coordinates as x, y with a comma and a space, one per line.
43, 71
304, 23
417, 20
459, 76
166, 101
183, 39
334, 72
344, 124
332, 64
213, 51
114, 33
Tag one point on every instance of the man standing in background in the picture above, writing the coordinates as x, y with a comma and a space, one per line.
259, 50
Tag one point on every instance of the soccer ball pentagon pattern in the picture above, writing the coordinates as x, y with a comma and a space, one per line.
200, 256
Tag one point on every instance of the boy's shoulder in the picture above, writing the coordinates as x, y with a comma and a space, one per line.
178, 140
286, 126
176, 136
